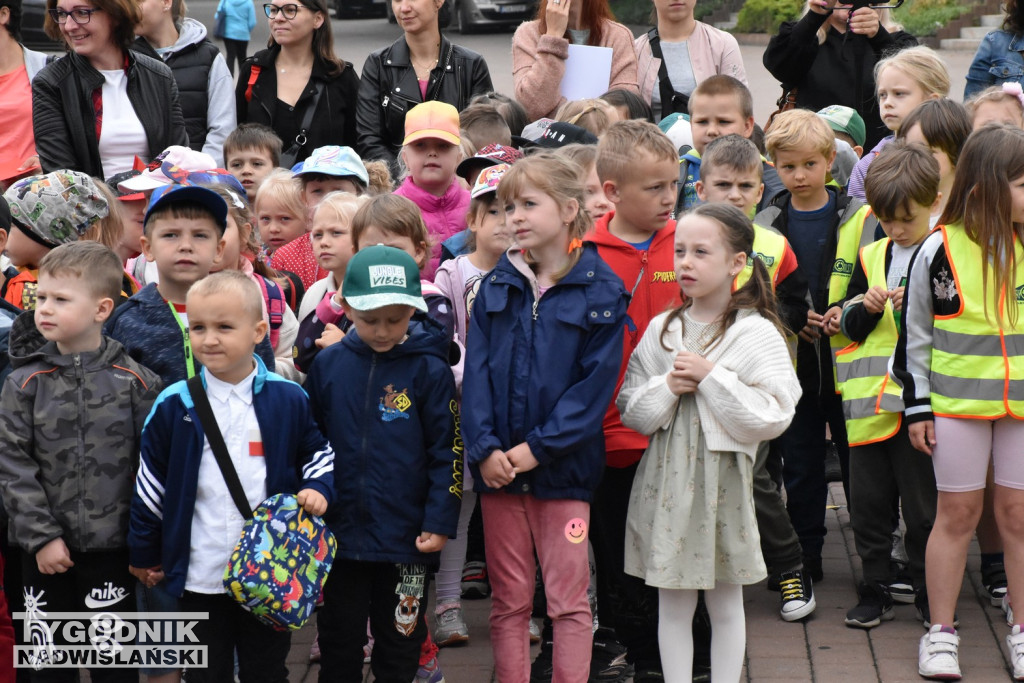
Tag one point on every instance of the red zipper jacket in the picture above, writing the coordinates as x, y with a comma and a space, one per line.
650, 277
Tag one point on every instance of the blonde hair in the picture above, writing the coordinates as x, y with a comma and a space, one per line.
380, 177
993, 95
617, 149
393, 214
284, 188
108, 230
558, 178
231, 282
884, 19
341, 205
800, 128
923, 65
594, 115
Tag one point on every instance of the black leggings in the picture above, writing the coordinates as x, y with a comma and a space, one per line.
236, 50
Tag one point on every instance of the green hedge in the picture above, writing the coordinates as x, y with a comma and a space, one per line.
765, 16
918, 17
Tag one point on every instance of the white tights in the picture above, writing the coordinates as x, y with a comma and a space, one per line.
728, 629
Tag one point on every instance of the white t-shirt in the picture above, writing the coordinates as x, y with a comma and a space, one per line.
122, 136
899, 265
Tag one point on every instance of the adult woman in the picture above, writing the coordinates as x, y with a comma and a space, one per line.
421, 65
541, 47
297, 86
18, 66
205, 86
816, 57
999, 58
679, 53
100, 106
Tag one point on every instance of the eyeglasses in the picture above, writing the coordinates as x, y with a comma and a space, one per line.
289, 11
79, 15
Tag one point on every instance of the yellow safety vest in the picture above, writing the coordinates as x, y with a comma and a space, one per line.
862, 368
977, 366
770, 247
852, 239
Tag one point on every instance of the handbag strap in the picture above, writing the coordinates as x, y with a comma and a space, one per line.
307, 120
220, 451
447, 64
665, 89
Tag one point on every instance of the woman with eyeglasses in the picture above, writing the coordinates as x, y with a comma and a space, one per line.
101, 105
421, 65
297, 86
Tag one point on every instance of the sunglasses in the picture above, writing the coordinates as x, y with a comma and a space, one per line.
79, 15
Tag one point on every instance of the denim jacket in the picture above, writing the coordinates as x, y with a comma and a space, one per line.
999, 59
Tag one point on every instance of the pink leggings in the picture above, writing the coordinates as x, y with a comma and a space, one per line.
964, 447
515, 525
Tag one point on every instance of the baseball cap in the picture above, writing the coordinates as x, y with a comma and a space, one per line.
432, 119
336, 161
115, 181
677, 127
491, 155
488, 180
560, 134
171, 166
55, 208
381, 276
845, 120
532, 132
191, 194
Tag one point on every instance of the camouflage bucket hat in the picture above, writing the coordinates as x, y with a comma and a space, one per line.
56, 208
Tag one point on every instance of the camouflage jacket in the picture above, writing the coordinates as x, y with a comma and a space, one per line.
70, 427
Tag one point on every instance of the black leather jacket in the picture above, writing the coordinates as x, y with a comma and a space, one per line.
389, 89
64, 121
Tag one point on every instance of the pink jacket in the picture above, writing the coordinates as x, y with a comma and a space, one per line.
712, 52
444, 216
538, 65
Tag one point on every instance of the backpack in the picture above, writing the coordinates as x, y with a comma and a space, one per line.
278, 569
274, 297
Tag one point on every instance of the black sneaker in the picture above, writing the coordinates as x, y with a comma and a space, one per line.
475, 585
797, 595
874, 605
993, 578
924, 612
649, 676
901, 588
608, 660
812, 568
543, 667
833, 468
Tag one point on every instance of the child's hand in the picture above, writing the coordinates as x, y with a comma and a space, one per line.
496, 470
54, 558
830, 321
678, 384
332, 334
427, 542
691, 366
897, 298
922, 436
874, 300
312, 501
522, 458
812, 330
147, 577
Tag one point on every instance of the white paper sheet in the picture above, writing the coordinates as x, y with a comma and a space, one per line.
588, 70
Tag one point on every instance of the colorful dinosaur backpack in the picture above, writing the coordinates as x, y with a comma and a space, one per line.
279, 566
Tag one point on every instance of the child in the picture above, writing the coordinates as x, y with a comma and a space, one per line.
57, 445
183, 533
47, 210
484, 125
251, 152
903, 188
998, 104
731, 174
825, 229
545, 345
430, 151
385, 397
184, 237
594, 115
953, 365
719, 105
709, 380
281, 213
943, 126
902, 81
132, 207
595, 201
848, 127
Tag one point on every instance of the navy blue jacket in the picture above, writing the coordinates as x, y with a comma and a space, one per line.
543, 372
394, 423
297, 457
148, 331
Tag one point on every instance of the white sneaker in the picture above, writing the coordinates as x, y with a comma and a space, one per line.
1007, 609
1015, 641
937, 655
534, 632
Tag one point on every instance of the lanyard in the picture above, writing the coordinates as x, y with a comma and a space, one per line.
190, 366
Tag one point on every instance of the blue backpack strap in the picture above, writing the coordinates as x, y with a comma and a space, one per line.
274, 297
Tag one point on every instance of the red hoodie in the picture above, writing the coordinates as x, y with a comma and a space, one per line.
650, 277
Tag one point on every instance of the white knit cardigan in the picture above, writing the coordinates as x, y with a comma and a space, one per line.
748, 397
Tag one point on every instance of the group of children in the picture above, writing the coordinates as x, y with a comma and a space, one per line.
604, 346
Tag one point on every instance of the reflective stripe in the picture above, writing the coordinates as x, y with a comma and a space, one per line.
961, 344
976, 389
872, 366
857, 408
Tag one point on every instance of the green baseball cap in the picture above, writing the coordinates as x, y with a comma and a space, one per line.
381, 276
845, 120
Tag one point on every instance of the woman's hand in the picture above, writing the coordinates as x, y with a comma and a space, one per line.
864, 22
556, 16
822, 6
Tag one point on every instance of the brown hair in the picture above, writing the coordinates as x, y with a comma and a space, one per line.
732, 151
323, 38
380, 177
240, 212
124, 17
592, 18
725, 85
1014, 20
108, 230
617, 149
756, 293
901, 174
231, 282
513, 112
980, 199
254, 136
95, 264
945, 125
799, 128
394, 214
484, 125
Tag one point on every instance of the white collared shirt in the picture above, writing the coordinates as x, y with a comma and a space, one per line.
216, 522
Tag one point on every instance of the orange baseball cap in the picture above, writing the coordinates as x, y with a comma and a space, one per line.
432, 119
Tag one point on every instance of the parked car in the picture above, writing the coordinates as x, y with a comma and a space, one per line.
32, 14
471, 16
355, 9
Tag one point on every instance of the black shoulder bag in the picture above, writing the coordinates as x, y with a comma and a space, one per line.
220, 451
671, 100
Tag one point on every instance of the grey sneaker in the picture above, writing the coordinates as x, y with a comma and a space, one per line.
450, 626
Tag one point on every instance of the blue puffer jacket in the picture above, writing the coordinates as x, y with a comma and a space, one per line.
393, 421
543, 372
148, 331
997, 61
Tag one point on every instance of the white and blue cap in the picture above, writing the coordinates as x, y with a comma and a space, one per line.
342, 162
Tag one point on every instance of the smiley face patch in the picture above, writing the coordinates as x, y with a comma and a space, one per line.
576, 530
